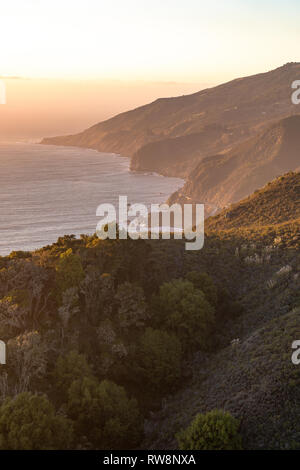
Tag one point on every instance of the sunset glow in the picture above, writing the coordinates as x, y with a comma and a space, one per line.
169, 40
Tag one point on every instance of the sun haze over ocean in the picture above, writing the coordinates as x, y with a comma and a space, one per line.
45, 107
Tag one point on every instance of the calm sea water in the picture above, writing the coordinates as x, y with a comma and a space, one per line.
49, 191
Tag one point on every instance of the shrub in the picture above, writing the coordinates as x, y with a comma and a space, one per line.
215, 430
29, 422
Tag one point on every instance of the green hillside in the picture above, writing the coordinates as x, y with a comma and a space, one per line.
121, 343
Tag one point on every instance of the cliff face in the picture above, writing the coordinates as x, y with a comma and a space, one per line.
172, 135
226, 178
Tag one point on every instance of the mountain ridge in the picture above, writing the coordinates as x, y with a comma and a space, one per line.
226, 178
206, 122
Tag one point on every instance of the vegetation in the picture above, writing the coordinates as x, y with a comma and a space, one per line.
29, 422
104, 414
276, 203
69, 368
157, 361
216, 430
121, 344
183, 309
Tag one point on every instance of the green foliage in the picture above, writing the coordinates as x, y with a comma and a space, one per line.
157, 361
69, 271
29, 422
20, 254
104, 414
205, 283
69, 368
215, 430
95, 296
131, 306
185, 311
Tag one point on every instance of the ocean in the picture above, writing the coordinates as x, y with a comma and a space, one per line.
50, 191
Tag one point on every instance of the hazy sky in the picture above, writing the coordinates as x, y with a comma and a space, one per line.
82, 61
38, 107
182, 40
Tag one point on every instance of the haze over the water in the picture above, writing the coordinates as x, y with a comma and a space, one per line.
37, 107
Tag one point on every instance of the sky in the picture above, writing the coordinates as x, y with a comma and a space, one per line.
38, 107
82, 61
181, 40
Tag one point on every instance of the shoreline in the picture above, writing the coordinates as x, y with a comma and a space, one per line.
42, 220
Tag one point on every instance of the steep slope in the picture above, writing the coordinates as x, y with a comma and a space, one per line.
210, 121
254, 379
90, 313
226, 178
276, 203
256, 247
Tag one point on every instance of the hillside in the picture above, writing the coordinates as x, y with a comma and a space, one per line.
229, 177
254, 379
276, 203
122, 343
253, 248
171, 135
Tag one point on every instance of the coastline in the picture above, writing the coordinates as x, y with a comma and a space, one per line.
61, 190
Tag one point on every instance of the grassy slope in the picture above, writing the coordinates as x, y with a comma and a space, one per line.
275, 203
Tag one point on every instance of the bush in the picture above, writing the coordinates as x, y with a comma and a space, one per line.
158, 360
184, 310
104, 414
29, 422
215, 430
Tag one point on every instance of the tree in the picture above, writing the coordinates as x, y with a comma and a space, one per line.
131, 306
69, 368
27, 360
29, 422
68, 309
113, 350
184, 310
25, 283
97, 291
13, 319
104, 414
69, 271
215, 430
205, 283
158, 360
